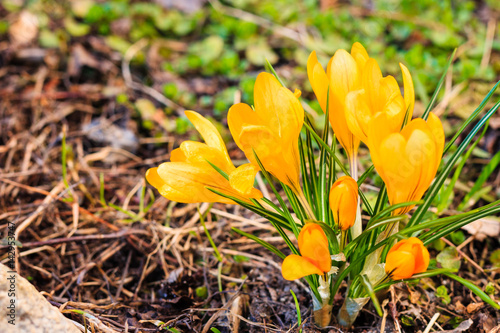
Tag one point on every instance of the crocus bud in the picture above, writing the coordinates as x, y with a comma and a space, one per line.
314, 254
405, 258
344, 201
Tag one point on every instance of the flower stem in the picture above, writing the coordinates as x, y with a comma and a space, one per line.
357, 227
343, 239
304, 202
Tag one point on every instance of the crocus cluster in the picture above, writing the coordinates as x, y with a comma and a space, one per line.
363, 106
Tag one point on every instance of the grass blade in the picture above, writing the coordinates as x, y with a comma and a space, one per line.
475, 289
471, 117
485, 174
265, 244
369, 289
438, 88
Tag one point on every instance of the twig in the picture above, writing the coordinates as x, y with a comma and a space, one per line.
473, 263
62, 240
224, 308
431, 323
260, 21
488, 43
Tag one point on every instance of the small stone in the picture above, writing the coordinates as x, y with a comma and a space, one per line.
24, 309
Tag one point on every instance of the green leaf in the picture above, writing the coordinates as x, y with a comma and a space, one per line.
475, 289
438, 88
297, 308
208, 49
448, 258
495, 258
472, 117
259, 53
442, 293
265, 244
433, 235
483, 177
371, 293
445, 197
74, 28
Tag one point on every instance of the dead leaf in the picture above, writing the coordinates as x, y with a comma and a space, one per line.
482, 228
24, 29
81, 57
473, 307
415, 296
238, 308
464, 326
459, 307
495, 329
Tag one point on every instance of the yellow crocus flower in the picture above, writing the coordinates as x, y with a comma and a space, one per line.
271, 129
408, 160
406, 258
379, 95
343, 75
344, 201
188, 175
315, 255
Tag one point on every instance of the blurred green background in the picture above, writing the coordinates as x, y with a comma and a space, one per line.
202, 54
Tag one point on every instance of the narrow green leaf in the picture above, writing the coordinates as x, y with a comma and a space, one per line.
392, 208
323, 191
483, 177
438, 88
443, 204
365, 175
222, 173
265, 244
445, 231
475, 289
427, 274
297, 308
369, 289
210, 239
472, 117
287, 214
271, 68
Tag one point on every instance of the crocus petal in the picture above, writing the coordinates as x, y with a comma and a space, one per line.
258, 139
400, 265
209, 133
154, 179
421, 259
370, 81
436, 128
278, 108
313, 244
242, 180
407, 257
318, 79
359, 54
177, 155
197, 152
344, 74
358, 114
409, 90
295, 267
343, 202
239, 115
187, 183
